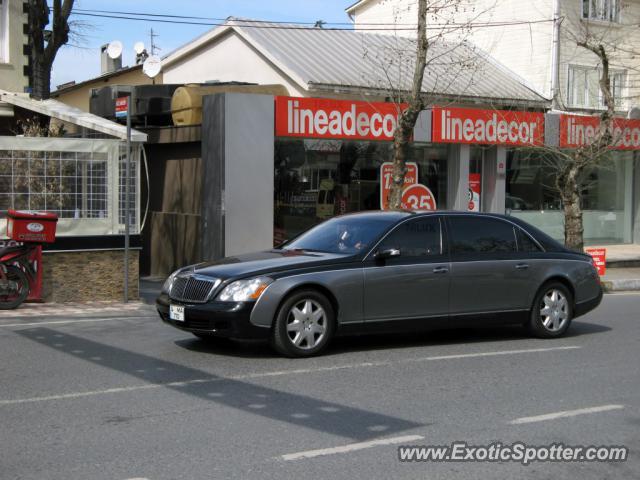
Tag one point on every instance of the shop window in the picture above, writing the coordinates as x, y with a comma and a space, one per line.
584, 87
603, 10
532, 195
317, 179
481, 235
4, 31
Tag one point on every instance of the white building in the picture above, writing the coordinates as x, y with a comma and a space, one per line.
14, 75
536, 39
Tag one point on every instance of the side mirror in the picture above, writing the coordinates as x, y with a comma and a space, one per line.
387, 253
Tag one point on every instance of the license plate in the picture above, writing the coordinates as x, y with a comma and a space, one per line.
176, 313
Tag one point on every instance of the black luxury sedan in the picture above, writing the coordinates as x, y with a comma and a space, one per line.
386, 271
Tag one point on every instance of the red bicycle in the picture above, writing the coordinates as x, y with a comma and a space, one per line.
17, 273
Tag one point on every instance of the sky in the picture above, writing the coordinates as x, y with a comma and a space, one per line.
80, 59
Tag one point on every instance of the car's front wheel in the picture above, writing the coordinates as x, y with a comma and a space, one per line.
304, 324
552, 311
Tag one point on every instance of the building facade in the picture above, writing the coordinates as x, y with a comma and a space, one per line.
14, 61
538, 42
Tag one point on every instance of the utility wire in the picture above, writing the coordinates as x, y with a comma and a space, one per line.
218, 19
287, 25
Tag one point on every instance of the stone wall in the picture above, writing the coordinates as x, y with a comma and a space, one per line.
88, 276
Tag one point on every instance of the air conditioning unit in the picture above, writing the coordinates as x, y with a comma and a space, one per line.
149, 104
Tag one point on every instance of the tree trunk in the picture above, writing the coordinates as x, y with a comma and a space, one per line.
570, 194
408, 117
43, 48
41, 78
401, 139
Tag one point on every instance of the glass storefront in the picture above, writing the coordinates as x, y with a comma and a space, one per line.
607, 196
318, 179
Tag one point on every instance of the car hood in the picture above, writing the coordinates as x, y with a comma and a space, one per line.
270, 261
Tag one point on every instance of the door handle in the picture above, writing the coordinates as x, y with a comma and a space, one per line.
440, 270
522, 266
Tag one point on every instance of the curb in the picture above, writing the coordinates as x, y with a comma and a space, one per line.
621, 285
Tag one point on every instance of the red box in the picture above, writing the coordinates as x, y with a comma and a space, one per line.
29, 226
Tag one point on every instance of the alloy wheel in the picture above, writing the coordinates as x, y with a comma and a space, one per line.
554, 311
306, 324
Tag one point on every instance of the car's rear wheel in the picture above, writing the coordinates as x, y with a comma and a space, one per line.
552, 311
304, 324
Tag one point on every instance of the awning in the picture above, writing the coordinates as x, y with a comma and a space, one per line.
61, 111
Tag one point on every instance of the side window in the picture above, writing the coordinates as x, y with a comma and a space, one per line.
481, 235
525, 244
415, 238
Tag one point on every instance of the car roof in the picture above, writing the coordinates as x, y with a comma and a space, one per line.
545, 240
401, 214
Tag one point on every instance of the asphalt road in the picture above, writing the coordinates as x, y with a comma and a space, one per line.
129, 397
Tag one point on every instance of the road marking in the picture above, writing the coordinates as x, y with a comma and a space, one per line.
352, 447
132, 388
278, 373
564, 414
61, 322
492, 354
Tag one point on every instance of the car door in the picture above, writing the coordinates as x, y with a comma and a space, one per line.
488, 274
414, 283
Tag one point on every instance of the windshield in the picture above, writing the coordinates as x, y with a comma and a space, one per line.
348, 235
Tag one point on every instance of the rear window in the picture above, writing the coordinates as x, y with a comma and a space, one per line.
481, 235
548, 243
525, 244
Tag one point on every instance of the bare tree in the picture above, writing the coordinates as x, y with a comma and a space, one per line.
408, 117
429, 56
572, 167
570, 179
44, 44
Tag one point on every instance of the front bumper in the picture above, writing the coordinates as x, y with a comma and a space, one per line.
220, 319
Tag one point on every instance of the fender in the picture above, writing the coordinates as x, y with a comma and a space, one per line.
346, 285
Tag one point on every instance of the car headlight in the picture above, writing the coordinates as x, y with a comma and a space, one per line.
166, 287
245, 290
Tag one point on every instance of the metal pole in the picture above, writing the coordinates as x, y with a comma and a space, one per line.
127, 210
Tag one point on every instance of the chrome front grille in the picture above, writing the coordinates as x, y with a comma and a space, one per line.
193, 288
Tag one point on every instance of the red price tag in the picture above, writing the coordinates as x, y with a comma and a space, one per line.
418, 197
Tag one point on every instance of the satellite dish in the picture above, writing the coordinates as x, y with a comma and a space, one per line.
114, 49
152, 66
138, 47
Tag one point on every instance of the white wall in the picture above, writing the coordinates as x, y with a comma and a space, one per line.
626, 36
13, 61
524, 49
227, 59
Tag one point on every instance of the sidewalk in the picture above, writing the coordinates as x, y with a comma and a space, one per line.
621, 280
75, 310
623, 268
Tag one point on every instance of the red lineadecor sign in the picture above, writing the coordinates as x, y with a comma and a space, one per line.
326, 118
579, 130
501, 127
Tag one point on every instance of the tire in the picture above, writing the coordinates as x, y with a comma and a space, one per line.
304, 324
552, 311
14, 274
